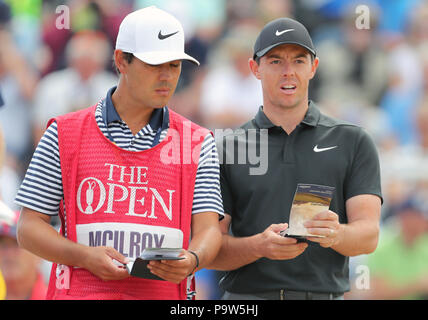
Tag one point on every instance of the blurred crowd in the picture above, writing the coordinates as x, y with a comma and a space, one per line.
56, 57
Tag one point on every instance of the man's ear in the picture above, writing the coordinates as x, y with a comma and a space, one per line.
120, 61
314, 66
254, 67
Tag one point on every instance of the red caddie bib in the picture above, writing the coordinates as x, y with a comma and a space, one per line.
124, 199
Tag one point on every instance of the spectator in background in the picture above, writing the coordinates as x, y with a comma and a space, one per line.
19, 267
8, 177
53, 39
196, 15
25, 27
81, 83
421, 116
17, 84
100, 15
231, 95
418, 38
241, 11
403, 41
353, 64
405, 168
399, 267
6, 215
268, 10
403, 92
396, 15
418, 33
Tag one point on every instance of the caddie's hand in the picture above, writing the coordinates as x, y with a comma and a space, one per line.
276, 247
100, 262
325, 224
174, 270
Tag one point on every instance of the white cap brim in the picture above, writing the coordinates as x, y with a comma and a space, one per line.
159, 57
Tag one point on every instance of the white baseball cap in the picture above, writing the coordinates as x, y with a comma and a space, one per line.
153, 36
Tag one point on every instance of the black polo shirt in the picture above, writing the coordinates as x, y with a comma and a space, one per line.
321, 150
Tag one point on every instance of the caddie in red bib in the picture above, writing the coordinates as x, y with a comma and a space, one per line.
119, 200
126, 200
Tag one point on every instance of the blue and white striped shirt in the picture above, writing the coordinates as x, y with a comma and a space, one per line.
42, 190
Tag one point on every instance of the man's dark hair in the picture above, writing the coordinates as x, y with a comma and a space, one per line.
127, 56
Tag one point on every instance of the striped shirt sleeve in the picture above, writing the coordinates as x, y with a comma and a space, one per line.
207, 194
41, 189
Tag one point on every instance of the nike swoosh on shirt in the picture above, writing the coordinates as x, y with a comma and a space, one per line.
278, 33
164, 36
316, 149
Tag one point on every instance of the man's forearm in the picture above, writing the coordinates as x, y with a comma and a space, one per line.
206, 247
37, 236
235, 253
358, 237
206, 237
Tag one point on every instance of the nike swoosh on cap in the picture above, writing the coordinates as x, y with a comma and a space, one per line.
278, 33
316, 149
164, 36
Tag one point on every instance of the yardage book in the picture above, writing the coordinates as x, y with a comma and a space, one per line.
309, 200
138, 268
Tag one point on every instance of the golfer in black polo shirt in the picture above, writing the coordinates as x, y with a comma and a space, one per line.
304, 146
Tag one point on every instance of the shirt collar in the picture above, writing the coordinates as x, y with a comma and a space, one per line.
311, 118
158, 120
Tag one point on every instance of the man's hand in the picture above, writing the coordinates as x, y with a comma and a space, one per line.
100, 262
174, 270
276, 247
325, 224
